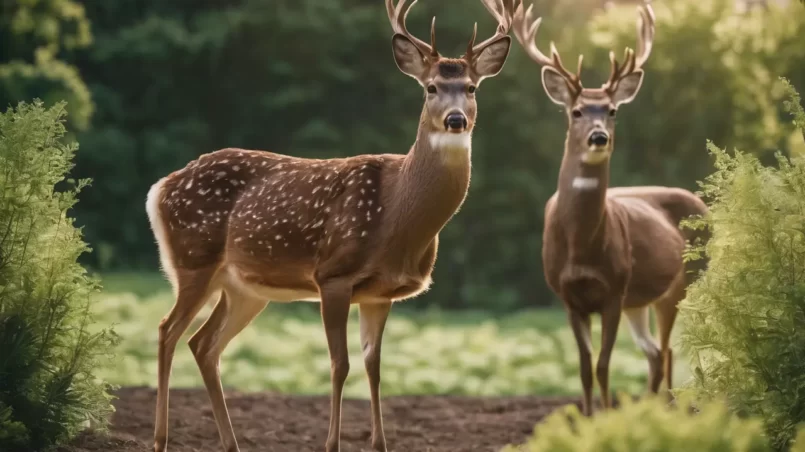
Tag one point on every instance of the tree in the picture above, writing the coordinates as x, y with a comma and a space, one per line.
37, 36
175, 79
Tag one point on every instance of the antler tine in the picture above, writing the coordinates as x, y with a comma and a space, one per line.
632, 61
502, 11
433, 51
472, 40
398, 14
525, 30
494, 7
645, 30
557, 64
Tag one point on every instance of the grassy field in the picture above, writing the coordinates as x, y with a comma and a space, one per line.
285, 349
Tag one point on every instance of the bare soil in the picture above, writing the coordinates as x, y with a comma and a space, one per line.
284, 423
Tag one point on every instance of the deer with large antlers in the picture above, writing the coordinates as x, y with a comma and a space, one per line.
246, 227
610, 250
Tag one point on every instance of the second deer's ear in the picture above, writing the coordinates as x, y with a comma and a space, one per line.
409, 59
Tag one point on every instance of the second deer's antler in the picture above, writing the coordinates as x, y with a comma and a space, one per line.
631, 61
525, 30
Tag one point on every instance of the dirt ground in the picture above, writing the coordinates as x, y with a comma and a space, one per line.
282, 423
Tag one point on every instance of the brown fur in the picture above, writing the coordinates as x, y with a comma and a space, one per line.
244, 227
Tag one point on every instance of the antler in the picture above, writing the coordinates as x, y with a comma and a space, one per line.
502, 10
632, 62
397, 16
525, 29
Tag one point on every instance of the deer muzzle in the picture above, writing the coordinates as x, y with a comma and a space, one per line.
455, 122
597, 148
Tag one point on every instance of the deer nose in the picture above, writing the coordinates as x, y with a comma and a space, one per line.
455, 121
598, 138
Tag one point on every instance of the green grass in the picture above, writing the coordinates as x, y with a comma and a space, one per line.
143, 284
285, 349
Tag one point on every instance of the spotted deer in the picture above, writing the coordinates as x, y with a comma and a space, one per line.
246, 227
609, 250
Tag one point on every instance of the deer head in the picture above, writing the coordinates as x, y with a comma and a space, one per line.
450, 83
590, 111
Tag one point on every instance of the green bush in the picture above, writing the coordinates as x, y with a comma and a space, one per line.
745, 317
48, 390
647, 426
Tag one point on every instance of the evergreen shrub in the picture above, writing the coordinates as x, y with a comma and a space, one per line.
48, 345
745, 317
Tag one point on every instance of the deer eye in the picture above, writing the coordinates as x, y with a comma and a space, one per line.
471, 89
432, 89
612, 112
576, 113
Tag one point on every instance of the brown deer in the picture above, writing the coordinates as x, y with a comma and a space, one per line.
613, 250
245, 227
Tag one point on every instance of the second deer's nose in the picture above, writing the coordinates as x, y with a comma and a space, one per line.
598, 138
455, 121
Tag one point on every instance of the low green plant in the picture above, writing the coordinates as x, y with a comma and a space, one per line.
457, 353
648, 425
48, 355
745, 316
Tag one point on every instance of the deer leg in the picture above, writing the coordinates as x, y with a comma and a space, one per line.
192, 292
610, 319
580, 323
228, 318
335, 299
641, 334
373, 321
666, 311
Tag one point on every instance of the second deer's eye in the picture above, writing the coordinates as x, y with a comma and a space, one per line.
612, 112
576, 113
432, 89
471, 89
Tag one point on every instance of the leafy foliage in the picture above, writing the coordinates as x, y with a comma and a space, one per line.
48, 385
285, 350
745, 317
793, 106
648, 425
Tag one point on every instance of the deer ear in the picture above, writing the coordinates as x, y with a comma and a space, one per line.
627, 88
408, 58
490, 61
556, 87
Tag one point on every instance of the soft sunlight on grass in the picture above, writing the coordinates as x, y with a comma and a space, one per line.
285, 350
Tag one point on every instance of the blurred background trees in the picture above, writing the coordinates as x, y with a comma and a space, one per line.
169, 80
38, 37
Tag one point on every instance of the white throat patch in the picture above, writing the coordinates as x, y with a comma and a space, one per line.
450, 141
585, 183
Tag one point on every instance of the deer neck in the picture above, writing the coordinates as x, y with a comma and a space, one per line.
581, 199
432, 184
